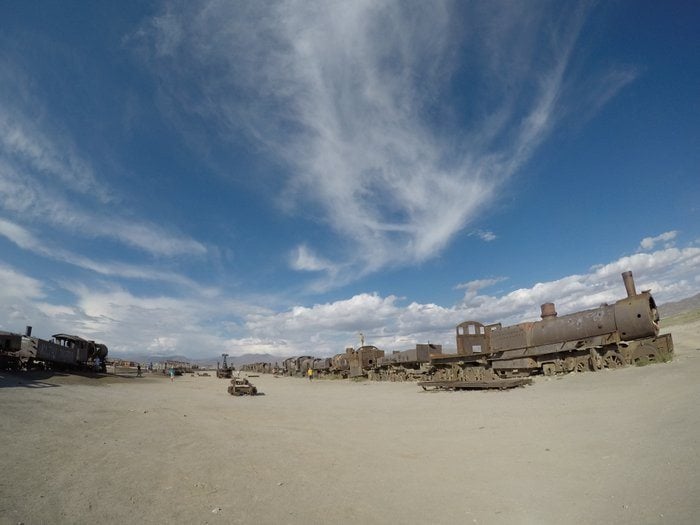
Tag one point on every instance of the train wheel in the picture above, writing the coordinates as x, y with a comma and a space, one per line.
549, 369
648, 353
582, 365
613, 360
569, 364
596, 361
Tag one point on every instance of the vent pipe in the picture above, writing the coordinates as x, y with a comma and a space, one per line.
28, 331
548, 311
629, 283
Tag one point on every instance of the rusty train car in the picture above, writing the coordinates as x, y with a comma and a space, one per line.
351, 363
63, 351
610, 336
405, 365
260, 368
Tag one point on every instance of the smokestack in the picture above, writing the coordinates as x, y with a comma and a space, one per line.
28, 331
548, 311
629, 283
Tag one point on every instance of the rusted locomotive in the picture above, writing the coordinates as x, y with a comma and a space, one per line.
240, 386
63, 351
609, 336
405, 365
224, 371
351, 363
260, 368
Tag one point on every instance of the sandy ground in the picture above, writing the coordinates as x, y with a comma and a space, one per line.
611, 447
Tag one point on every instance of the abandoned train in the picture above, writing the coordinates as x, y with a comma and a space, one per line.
610, 336
63, 351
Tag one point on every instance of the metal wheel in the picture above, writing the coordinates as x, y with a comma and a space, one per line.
570, 364
613, 360
596, 361
581, 365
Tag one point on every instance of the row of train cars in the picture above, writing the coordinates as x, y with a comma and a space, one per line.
487, 356
496, 356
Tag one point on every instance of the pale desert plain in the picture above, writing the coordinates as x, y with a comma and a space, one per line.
618, 446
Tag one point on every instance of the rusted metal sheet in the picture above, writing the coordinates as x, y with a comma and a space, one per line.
240, 386
499, 384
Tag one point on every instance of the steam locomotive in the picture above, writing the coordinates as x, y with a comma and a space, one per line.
494, 356
610, 336
62, 352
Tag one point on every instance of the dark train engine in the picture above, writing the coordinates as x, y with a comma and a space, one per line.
63, 351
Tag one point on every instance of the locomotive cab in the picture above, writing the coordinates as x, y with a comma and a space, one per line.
474, 338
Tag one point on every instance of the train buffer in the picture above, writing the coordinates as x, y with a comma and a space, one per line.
497, 384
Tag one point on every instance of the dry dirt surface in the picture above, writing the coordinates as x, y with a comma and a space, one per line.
610, 447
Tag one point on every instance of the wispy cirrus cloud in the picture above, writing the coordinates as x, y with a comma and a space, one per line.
44, 178
31, 143
349, 96
23, 195
26, 240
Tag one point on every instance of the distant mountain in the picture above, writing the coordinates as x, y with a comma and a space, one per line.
679, 307
246, 359
207, 362
158, 358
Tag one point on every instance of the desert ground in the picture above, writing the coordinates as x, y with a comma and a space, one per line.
617, 446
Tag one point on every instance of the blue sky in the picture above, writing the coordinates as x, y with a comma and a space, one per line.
200, 177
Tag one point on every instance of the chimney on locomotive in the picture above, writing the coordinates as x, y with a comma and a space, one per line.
548, 311
28, 331
629, 283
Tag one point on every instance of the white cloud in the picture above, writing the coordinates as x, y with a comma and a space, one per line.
484, 235
350, 95
14, 285
26, 240
648, 243
48, 158
473, 287
303, 259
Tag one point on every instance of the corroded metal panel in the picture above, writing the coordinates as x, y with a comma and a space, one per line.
579, 325
637, 317
506, 338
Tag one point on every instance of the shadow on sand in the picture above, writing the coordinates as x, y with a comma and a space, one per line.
42, 378
29, 379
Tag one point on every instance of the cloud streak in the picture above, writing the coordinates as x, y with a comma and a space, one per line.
44, 179
349, 96
649, 242
24, 239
